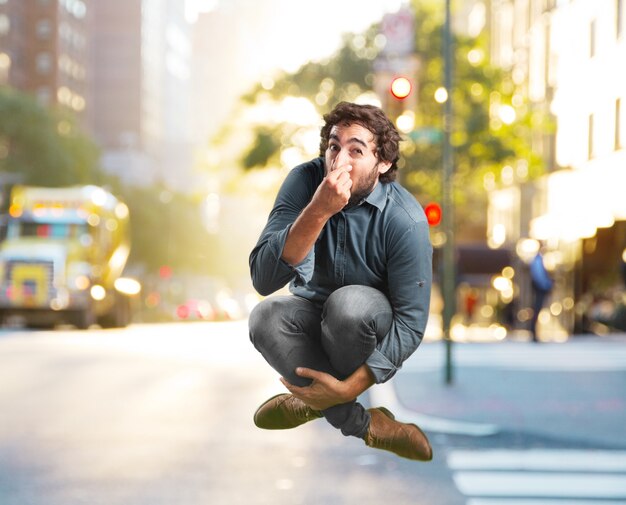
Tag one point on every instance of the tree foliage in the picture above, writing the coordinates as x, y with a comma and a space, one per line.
45, 147
166, 228
265, 145
484, 143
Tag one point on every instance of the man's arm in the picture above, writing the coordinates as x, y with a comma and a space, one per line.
302, 207
268, 271
330, 197
409, 284
326, 391
410, 278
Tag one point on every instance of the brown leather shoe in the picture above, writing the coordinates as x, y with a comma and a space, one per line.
405, 440
284, 411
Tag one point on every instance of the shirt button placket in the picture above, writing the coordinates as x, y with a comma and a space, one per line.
340, 252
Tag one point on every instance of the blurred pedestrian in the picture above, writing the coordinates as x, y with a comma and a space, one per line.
542, 285
470, 300
354, 246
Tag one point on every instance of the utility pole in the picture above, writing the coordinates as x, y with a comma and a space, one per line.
448, 273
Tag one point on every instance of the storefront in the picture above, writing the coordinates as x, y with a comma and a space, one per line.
580, 218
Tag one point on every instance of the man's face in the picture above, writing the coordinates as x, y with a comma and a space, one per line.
353, 144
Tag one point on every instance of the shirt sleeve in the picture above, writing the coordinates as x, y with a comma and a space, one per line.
268, 270
409, 282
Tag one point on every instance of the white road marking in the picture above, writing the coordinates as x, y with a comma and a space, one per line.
539, 460
540, 476
538, 501
385, 395
547, 485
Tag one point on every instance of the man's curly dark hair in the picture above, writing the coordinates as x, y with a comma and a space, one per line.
386, 135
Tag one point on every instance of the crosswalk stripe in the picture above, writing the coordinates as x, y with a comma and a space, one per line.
534, 501
524, 484
539, 476
539, 459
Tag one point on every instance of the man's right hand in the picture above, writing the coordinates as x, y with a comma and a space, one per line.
333, 193
331, 196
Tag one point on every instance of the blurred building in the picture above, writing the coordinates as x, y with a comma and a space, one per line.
45, 50
123, 66
567, 58
141, 81
219, 77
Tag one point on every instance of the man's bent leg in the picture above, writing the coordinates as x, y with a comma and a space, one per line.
354, 319
286, 331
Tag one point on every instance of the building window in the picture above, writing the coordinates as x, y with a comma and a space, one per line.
590, 147
43, 63
5, 67
77, 8
44, 29
549, 5
547, 59
592, 39
618, 124
5, 24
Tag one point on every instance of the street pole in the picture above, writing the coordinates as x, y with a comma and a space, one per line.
448, 273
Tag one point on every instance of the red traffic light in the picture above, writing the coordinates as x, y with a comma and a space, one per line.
401, 87
165, 272
433, 213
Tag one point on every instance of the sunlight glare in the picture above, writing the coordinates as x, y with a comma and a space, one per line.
293, 110
368, 98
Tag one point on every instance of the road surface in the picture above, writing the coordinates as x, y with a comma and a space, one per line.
162, 414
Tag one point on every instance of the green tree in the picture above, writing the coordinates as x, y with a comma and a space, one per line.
44, 146
494, 124
166, 229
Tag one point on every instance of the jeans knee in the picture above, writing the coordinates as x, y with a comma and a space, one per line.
355, 318
358, 309
261, 321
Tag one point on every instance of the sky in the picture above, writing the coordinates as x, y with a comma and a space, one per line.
249, 40
289, 33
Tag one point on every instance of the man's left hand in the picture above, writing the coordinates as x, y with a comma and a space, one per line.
325, 391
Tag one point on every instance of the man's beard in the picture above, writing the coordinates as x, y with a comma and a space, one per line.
357, 197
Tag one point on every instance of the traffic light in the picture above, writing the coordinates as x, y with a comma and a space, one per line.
165, 272
402, 108
401, 87
433, 213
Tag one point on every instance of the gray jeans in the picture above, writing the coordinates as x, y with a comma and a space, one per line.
290, 332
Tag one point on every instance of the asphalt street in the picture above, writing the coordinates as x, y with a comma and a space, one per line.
161, 414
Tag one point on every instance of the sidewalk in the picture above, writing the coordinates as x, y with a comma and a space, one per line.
575, 391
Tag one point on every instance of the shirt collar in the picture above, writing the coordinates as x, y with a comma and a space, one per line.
378, 197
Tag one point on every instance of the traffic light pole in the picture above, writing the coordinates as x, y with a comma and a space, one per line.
448, 273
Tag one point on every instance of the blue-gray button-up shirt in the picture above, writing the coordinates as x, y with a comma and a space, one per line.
383, 243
